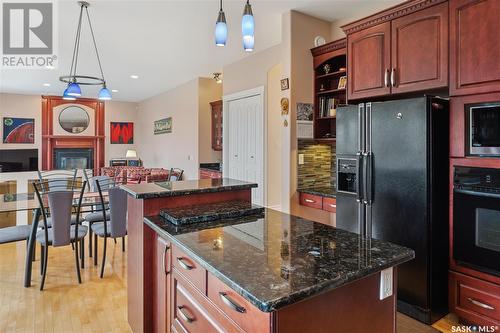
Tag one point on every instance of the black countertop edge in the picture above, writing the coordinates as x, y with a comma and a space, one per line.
320, 191
293, 297
179, 188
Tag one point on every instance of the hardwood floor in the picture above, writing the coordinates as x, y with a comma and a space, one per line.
97, 305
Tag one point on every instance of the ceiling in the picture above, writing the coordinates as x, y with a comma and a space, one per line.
164, 42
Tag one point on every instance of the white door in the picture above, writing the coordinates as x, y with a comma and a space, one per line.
243, 141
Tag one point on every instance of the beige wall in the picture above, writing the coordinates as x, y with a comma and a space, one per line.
30, 106
209, 91
178, 149
120, 112
250, 72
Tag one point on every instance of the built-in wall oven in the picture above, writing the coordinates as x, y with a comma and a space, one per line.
476, 218
484, 129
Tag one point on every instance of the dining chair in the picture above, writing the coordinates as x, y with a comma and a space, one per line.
96, 214
57, 198
175, 174
116, 226
87, 175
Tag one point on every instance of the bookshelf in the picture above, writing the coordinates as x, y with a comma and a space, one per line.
329, 69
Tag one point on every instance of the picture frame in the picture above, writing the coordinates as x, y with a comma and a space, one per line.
342, 82
18, 130
121, 133
163, 126
285, 85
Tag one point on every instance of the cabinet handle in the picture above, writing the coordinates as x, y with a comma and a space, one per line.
393, 77
231, 303
164, 260
184, 315
333, 206
309, 201
183, 264
480, 304
386, 78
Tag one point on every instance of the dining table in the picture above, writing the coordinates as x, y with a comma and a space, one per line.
11, 202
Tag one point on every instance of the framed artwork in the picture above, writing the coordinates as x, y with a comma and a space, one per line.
304, 111
285, 84
342, 82
163, 126
122, 133
18, 130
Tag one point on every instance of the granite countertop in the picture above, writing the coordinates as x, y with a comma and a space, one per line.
211, 166
279, 259
329, 192
185, 187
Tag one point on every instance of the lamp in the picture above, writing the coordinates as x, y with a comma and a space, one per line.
218, 77
131, 153
75, 80
221, 28
248, 28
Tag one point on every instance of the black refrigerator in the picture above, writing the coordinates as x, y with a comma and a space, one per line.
392, 184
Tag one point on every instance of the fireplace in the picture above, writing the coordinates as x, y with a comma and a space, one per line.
73, 158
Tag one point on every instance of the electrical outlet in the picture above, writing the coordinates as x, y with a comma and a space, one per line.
301, 159
386, 283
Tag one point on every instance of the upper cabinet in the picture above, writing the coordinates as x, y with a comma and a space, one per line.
369, 62
216, 125
403, 49
475, 46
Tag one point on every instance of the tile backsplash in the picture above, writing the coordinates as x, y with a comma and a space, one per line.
319, 168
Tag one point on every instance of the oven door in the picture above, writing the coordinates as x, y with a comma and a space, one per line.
476, 230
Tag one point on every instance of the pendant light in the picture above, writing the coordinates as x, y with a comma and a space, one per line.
248, 28
221, 28
75, 80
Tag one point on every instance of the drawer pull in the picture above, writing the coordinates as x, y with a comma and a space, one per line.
163, 259
231, 303
480, 304
309, 201
181, 262
184, 315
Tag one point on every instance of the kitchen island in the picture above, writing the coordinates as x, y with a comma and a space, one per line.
267, 272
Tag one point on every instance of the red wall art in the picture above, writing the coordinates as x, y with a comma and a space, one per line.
18, 130
122, 133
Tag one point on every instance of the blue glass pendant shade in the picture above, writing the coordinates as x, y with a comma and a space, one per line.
67, 97
74, 90
104, 94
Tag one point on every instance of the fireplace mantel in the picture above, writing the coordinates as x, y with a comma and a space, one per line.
51, 141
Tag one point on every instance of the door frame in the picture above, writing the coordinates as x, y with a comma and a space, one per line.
262, 122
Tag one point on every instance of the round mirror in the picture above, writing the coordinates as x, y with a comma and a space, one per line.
74, 119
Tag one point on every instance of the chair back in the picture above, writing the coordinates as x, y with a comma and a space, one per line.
87, 175
175, 174
105, 181
58, 198
117, 207
59, 179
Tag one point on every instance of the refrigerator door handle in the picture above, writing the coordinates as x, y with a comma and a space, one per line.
359, 176
368, 182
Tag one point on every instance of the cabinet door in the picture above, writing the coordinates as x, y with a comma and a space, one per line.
216, 125
369, 61
474, 46
420, 50
162, 286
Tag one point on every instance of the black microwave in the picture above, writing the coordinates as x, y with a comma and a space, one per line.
483, 129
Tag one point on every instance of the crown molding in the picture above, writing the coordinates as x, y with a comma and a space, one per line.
329, 47
392, 13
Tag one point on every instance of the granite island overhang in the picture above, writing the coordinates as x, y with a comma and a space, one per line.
271, 272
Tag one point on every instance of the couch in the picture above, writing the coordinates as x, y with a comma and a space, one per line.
135, 175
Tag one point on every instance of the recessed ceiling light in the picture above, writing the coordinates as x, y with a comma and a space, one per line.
133, 76
46, 84
114, 90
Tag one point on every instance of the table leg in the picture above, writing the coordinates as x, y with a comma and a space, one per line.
31, 247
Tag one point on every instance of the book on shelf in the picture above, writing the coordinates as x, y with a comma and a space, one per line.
327, 105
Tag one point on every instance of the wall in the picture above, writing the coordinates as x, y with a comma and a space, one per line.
22, 106
209, 91
30, 106
178, 149
119, 112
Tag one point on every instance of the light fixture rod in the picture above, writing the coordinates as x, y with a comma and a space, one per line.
95, 44
74, 59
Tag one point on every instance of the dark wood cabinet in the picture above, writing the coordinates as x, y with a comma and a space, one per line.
369, 62
474, 46
162, 286
420, 50
216, 125
403, 49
